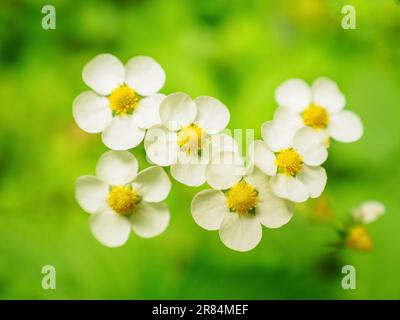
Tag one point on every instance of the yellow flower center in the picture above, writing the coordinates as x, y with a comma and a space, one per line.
242, 197
359, 239
289, 162
123, 199
315, 117
190, 137
123, 100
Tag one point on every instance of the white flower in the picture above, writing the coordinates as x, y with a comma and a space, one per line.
319, 107
368, 211
294, 164
239, 211
120, 199
125, 102
189, 136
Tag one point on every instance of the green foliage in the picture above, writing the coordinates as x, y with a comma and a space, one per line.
239, 52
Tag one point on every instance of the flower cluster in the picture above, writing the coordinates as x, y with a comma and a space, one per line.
287, 164
186, 135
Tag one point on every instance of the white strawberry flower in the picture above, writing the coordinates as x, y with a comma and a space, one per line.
124, 102
368, 211
120, 199
293, 164
189, 135
238, 205
319, 107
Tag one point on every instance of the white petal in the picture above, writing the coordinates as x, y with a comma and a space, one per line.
147, 113
294, 94
216, 143
161, 146
145, 75
117, 167
277, 136
258, 179
150, 219
209, 208
177, 110
91, 193
212, 115
192, 174
327, 94
262, 157
289, 188
91, 112
368, 211
225, 169
311, 146
272, 211
104, 73
288, 117
152, 184
122, 133
345, 126
314, 178
240, 232
109, 228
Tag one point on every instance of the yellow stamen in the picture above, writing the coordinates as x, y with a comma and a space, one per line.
190, 137
123, 199
359, 239
289, 162
123, 100
315, 117
242, 197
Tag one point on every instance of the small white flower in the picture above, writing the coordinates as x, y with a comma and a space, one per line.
319, 107
120, 199
189, 136
294, 164
368, 211
125, 102
239, 211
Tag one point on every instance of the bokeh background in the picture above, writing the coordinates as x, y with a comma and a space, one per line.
239, 52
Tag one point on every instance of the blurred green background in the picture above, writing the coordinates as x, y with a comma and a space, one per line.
239, 52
